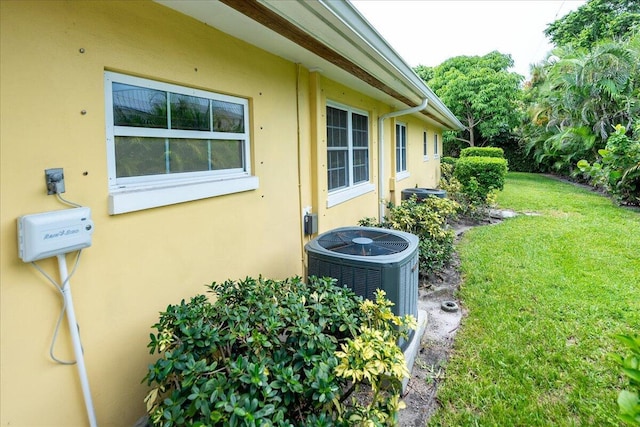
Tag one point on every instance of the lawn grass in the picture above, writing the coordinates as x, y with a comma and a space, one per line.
544, 294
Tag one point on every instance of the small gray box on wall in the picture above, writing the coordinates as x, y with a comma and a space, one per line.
310, 224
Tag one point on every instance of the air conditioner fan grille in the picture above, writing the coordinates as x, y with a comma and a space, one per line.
363, 242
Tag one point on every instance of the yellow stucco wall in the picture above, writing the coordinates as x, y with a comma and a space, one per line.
349, 212
422, 173
142, 261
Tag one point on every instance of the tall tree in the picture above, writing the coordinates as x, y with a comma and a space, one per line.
596, 21
481, 92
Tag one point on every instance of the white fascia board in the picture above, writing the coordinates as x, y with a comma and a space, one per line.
352, 18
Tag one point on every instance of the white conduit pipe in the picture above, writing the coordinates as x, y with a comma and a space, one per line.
75, 338
381, 175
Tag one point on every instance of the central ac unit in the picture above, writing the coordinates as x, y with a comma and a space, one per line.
365, 259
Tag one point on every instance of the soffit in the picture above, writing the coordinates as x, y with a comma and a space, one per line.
330, 37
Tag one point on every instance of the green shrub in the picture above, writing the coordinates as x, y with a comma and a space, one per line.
429, 220
482, 152
276, 353
446, 160
520, 160
479, 176
629, 400
618, 171
473, 205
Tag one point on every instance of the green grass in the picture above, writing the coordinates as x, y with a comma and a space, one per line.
544, 294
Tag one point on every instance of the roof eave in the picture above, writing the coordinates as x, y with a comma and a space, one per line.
328, 35
363, 29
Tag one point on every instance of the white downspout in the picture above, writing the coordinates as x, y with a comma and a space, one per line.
381, 175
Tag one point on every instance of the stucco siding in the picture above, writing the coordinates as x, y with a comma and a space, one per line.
53, 55
141, 261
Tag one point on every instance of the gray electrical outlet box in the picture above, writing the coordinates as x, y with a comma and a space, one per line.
54, 179
310, 224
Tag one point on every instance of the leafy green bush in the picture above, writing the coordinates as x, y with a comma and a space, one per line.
474, 205
429, 220
276, 353
482, 152
448, 160
629, 400
479, 176
618, 171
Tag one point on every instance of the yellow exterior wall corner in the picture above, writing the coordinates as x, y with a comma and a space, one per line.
53, 55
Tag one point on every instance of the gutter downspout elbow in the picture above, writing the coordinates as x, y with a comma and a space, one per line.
381, 175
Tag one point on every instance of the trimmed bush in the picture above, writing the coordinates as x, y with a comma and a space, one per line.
482, 152
481, 175
277, 353
446, 160
472, 206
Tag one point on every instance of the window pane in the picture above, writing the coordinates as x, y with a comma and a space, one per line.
137, 156
360, 166
360, 125
227, 154
189, 112
337, 135
139, 107
228, 117
188, 155
337, 169
401, 148
424, 144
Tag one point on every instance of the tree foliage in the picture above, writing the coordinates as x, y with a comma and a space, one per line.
480, 91
576, 98
618, 170
424, 72
595, 21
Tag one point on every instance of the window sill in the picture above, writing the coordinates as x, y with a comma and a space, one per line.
341, 196
425, 158
402, 175
147, 197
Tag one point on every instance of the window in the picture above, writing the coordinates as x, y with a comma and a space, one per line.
347, 153
435, 146
169, 144
425, 146
401, 151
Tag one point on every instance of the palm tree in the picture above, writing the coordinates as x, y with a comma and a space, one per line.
579, 97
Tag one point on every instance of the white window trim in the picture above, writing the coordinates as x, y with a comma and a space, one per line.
425, 146
402, 175
404, 172
122, 201
345, 194
138, 193
436, 147
341, 195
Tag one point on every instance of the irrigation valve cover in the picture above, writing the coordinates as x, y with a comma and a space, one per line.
48, 234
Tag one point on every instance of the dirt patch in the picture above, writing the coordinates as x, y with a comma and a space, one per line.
435, 347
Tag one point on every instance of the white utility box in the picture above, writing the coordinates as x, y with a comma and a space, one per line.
48, 234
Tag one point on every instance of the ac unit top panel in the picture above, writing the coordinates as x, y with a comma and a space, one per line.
365, 244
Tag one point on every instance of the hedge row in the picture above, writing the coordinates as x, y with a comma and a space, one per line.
489, 172
482, 152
